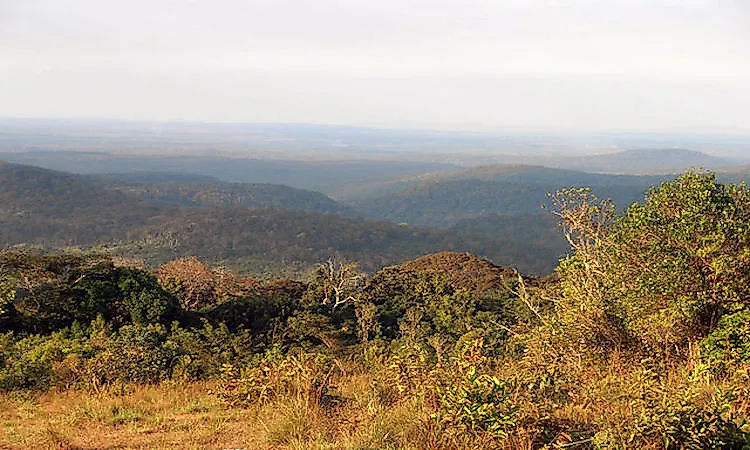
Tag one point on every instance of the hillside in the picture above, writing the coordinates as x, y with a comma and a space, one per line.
510, 173
142, 177
641, 161
540, 230
221, 194
444, 203
39, 206
464, 271
504, 201
32, 190
328, 177
54, 209
533, 174
276, 241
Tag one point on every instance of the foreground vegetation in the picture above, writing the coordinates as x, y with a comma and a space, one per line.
640, 340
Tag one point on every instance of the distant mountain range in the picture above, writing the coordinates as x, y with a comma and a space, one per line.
641, 161
642, 168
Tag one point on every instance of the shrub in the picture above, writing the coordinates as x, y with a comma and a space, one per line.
682, 416
203, 351
263, 315
666, 270
34, 362
136, 353
306, 377
144, 299
475, 403
729, 344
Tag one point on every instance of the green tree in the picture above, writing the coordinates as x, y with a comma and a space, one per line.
143, 297
665, 271
7, 310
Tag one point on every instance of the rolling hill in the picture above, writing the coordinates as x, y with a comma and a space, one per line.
641, 161
53, 209
510, 173
221, 194
272, 241
502, 201
328, 177
549, 176
444, 203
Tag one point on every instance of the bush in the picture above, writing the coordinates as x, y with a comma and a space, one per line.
261, 314
136, 353
305, 377
144, 299
665, 271
33, 362
203, 351
475, 403
685, 416
471, 401
728, 345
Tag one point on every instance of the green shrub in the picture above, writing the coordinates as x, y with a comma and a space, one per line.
663, 272
136, 353
471, 402
728, 345
31, 362
144, 299
685, 415
261, 314
203, 351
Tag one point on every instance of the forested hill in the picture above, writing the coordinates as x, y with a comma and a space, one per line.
640, 167
533, 174
540, 230
142, 177
642, 161
447, 198
221, 194
444, 203
494, 211
28, 190
54, 209
499, 200
551, 178
274, 241
329, 177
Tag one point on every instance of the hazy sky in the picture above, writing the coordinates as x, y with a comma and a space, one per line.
566, 64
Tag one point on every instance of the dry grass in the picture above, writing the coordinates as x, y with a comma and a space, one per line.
159, 417
359, 417
189, 416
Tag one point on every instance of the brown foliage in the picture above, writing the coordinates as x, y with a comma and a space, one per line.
464, 271
198, 285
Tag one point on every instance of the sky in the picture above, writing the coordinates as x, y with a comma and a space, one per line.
607, 65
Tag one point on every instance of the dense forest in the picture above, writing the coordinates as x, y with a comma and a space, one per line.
639, 339
258, 229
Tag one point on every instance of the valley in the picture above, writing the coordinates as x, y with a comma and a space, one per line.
283, 214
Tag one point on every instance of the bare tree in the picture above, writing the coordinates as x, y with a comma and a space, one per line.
340, 282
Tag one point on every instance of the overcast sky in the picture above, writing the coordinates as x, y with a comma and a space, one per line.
472, 64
